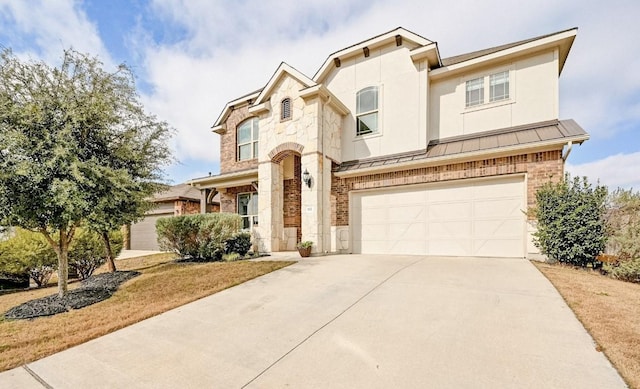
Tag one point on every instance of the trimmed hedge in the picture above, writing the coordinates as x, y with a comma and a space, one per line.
197, 237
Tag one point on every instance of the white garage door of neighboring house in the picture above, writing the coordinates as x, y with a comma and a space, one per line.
143, 233
466, 218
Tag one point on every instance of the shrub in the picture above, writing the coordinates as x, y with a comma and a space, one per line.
198, 237
626, 271
230, 257
623, 223
239, 243
87, 251
28, 252
571, 227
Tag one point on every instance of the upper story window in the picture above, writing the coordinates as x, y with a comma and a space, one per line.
367, 111
248, 139
475, 92
499, 86
285, 109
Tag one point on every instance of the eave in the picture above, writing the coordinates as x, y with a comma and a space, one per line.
227, 180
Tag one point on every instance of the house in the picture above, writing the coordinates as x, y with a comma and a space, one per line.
390, 148
177, 200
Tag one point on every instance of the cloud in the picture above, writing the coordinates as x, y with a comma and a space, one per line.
43, 29
619, 170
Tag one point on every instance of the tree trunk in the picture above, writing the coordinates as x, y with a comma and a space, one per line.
107, 248
63, 263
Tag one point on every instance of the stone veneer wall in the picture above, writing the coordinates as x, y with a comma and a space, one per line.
229, 198
540, 168
228, 143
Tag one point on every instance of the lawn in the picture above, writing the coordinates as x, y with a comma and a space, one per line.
609, 309
163, 285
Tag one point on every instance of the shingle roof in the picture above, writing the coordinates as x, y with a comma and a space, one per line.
178, 192
475, 54
485, 141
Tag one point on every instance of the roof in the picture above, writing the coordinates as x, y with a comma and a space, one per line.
226, 180
562, 39
178, 192
531, 135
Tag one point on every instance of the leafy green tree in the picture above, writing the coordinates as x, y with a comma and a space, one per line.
571, 225
66, 134
87, 252
623, 221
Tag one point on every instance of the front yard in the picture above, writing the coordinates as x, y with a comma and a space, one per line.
163, 285
609, 309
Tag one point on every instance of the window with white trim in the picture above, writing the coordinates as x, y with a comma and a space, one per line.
475, 92
248, 139
285, 109
248, 209
496, 84
367, 111
499, 86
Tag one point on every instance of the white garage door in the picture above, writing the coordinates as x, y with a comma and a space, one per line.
465, 218
143, 233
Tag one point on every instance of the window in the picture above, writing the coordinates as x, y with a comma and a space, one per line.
248, 139
475, 92
248, 209
285, 109
499, 86
367, 111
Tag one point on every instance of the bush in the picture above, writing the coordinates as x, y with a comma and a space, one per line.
239, 243
571, 226
28, 252
623, 223
197, 237
626, 271
87, 251
230, 257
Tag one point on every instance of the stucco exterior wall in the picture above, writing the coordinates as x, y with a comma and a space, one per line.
533, 98
401, 102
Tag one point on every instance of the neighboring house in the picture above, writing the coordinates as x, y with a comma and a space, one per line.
390, 148
177, 200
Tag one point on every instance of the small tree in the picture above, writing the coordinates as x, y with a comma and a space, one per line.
87, 252
570, 214
66, 135
623, 222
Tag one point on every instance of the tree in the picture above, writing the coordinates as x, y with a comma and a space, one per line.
623, 222
571, 226
66, 134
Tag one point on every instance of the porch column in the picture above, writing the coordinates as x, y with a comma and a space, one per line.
204, 194
270, 222
316, 215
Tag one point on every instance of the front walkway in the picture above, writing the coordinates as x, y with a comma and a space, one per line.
350, 322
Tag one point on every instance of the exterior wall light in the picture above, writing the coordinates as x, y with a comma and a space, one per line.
306, 178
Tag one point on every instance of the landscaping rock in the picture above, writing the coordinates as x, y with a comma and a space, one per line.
92, 290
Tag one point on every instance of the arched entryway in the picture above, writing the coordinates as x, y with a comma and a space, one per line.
287, 157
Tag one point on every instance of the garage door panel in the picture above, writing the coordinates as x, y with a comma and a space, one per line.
497, 208
452, 210
466, 218
143, 233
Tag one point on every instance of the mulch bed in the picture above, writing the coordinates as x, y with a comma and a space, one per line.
92, 290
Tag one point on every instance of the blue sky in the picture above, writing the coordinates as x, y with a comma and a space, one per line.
191, 57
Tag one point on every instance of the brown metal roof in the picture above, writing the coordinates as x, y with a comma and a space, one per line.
475, 54
484, 141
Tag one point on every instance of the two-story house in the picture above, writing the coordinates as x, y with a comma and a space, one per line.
390, 148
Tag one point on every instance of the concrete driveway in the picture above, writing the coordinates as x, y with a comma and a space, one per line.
353, 321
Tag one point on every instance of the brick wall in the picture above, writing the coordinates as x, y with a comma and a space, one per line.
229, 198
186, 207
292, 199
228, 149
540, 168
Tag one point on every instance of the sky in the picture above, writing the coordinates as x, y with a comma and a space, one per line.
191, 57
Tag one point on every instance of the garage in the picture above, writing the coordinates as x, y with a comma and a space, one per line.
482, 218
143, 233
